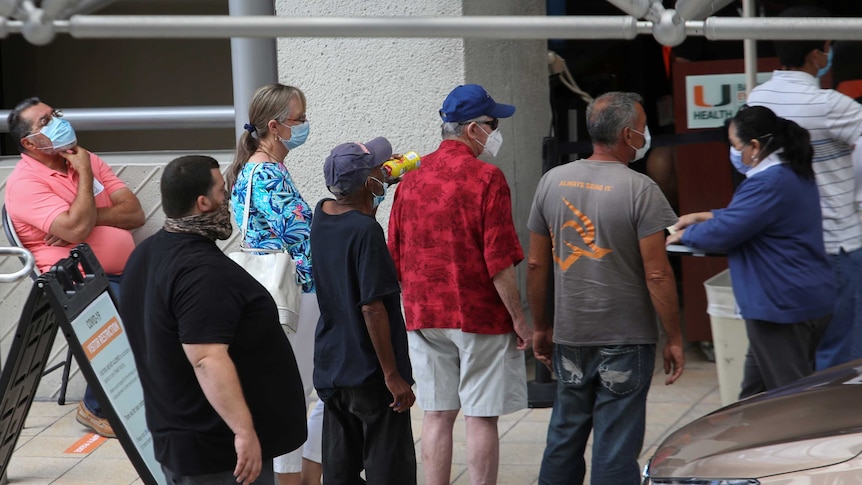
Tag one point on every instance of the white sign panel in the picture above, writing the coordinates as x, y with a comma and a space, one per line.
103, 337
712, 98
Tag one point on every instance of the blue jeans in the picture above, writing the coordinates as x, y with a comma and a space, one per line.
842, 341
602, 389
90, 400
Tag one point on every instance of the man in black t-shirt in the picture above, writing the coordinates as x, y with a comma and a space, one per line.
361, 367
222, 391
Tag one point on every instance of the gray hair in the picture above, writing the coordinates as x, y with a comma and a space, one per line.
608, 114
451, 129
454, 129
18, 126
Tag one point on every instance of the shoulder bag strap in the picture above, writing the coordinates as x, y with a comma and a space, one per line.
247, 208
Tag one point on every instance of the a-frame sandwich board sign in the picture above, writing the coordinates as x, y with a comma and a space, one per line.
75, 296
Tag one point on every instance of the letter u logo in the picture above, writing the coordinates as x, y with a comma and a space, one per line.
699, 97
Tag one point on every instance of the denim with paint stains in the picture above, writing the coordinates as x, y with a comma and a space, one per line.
601, 389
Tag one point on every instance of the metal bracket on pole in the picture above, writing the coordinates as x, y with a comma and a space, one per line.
670, 29
38, 28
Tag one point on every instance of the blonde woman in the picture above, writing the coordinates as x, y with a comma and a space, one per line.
279, 218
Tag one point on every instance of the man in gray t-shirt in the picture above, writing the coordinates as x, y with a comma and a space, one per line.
600, 226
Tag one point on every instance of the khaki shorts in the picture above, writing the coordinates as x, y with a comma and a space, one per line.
484, 375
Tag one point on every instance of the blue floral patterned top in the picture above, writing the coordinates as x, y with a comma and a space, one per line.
279, 218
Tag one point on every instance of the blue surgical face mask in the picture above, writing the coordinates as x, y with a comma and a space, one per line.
378, 199
298, 135
736, 160
823, 70
61, 134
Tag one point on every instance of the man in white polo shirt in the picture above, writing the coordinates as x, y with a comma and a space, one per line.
835, 123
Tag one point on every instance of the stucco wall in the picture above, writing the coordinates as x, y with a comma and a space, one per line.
361, 88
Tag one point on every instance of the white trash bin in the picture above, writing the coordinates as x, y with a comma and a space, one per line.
728, 336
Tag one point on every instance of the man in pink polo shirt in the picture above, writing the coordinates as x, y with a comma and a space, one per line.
60, 195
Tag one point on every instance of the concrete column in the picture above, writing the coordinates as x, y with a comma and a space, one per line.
514, 72
253, 61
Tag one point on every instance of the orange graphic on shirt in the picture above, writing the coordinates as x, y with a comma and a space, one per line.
587, 230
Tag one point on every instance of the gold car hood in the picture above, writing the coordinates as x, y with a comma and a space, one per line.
812, 423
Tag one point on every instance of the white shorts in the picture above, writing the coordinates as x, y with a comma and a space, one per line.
302, 343
484, 375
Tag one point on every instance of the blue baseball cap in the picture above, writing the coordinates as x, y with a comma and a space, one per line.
349, 164
470, 101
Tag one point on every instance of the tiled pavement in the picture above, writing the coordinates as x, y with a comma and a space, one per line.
41, 458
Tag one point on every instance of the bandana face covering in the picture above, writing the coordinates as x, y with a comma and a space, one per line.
214, 225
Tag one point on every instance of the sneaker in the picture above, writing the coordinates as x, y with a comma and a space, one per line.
99, 425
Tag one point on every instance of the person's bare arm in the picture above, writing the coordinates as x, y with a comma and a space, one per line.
219, 380
377, 322
76, 224
507, 287
126, 213
662, 289
539, 267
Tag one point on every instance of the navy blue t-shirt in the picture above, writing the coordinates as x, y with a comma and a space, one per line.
352, 267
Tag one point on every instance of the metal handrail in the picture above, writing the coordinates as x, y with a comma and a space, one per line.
144, 118
476, 27
26, 258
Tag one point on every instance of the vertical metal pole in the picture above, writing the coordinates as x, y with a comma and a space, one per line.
749, 49
253, 61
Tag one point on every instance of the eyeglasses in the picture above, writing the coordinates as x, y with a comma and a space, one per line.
298, 120
43, 121
492, 123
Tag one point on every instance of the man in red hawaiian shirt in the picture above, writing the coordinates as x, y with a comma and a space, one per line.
455, 248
